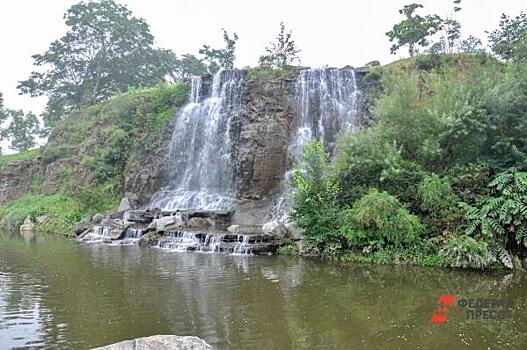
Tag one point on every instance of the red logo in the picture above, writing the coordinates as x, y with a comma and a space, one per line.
444, 301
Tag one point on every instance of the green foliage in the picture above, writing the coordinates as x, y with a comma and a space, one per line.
283, 52
464, 251
22, 130
221, 58
289, 249
510, 39
414, 30
502, 217
314, 198
63, 211
105, 50
367, 159
19, 156
266, 73
379, 220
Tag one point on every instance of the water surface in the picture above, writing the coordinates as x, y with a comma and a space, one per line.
55, 293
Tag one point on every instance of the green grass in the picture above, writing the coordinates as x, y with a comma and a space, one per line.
8, 158
265, 73
64, 212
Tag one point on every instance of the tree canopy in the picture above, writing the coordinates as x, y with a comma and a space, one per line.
105, 50
414, 31
283, 51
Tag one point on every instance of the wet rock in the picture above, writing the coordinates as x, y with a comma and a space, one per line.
97, 218
233, 228
148, 239
160, 342
82, 226
295, 232
27, 227
275, 228
165, 222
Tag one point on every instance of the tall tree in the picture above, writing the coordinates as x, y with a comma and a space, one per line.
283, 52
22, 130
414, 30
105, 50
217, 59
509, 41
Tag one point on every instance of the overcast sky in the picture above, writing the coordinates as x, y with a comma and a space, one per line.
332, 32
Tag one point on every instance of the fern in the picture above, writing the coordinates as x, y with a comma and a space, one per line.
504, 216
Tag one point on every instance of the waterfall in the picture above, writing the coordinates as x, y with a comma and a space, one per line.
242, 246
327, 101
185, 241
201, 156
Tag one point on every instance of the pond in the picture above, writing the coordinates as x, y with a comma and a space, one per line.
61, 294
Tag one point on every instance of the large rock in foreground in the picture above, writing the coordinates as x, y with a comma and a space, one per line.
160, 342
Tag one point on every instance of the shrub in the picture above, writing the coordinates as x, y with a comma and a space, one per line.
289, 249
379, 220
464, 251
314, 197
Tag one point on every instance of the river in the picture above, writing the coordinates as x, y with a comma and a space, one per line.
55, 293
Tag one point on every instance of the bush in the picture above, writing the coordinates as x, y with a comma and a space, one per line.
464, 251
314, 198
289, 249
379, 220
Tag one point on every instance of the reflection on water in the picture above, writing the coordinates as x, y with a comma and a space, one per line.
55, 293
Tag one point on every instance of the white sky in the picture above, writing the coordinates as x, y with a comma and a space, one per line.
333, 32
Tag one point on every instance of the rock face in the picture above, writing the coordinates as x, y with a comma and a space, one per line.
160, 342
266, 114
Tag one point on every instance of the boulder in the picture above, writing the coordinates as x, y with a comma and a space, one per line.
82, 226
147, 239
43, 220
97, 218
295, 232
197, 222
160, 342
27, 227
233, 228
161, 223
125, 205
275, 228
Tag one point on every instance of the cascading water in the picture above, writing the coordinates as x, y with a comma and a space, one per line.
97, 234
327, 101
201, 155
328, 104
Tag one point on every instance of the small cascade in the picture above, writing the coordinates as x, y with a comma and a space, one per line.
212, 243
133, 233
242, 245
201, 158
97, 234
180, 241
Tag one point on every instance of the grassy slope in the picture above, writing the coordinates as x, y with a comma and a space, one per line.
90, 149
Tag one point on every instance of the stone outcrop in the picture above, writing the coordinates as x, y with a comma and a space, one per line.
27, 227
160, 342
265, 118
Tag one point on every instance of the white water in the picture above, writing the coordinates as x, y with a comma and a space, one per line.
97, 234
184, 241
327, 101
200, 161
